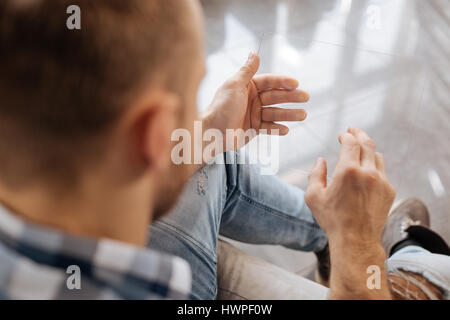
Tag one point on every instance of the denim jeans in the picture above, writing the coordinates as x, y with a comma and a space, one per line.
434, 267
238, 202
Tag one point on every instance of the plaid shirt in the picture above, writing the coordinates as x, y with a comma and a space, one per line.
41, 263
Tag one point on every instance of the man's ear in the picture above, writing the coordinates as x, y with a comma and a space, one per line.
157, 120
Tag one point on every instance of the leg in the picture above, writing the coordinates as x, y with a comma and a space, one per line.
416, 273
265, 210
191, 229
244, 277
419, 262
243, 205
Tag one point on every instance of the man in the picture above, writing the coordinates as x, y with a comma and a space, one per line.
86, 120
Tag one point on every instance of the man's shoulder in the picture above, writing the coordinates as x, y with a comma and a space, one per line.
37, 262
145, 276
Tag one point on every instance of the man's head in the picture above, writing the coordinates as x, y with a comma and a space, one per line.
74, 103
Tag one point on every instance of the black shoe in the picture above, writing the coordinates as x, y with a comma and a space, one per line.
322, 274
409, 224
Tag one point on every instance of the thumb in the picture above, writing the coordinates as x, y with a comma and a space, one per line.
248, 70
318, 175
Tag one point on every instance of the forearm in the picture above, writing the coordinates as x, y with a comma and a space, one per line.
201, 155
356, 269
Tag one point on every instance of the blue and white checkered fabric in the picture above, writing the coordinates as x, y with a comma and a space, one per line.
34, 263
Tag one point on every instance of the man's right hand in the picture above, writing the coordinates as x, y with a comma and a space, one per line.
352, 209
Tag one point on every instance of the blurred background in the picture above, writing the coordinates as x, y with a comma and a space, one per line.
381, 65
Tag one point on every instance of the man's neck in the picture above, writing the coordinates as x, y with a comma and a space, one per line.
96, 211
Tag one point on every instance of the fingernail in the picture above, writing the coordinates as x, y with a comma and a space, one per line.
292, 84
301, 115
306, 96
318, 162
302, 95
251, 55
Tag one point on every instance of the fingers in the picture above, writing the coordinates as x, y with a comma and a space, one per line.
248, 71
350, 150
271, 81
283, 96
274, 128
281, 114
356, 139
379, 162
367, 147
317, 179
